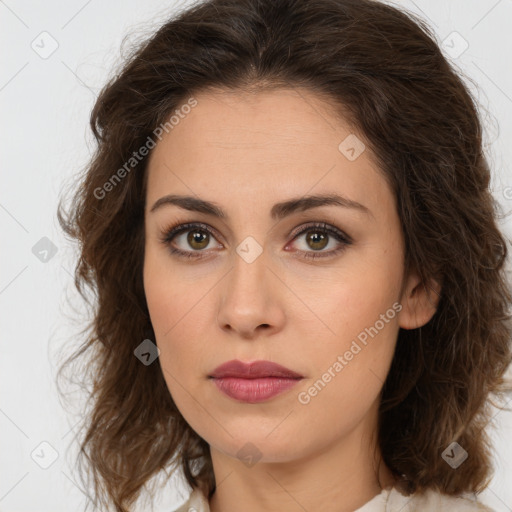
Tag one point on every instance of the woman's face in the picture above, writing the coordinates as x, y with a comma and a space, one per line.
251, 289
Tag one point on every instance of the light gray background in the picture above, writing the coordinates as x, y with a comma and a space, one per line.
45, 107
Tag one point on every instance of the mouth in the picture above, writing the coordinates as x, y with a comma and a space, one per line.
253, 382
254, 370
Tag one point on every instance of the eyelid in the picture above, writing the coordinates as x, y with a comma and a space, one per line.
179, 227
320, 225
170, 233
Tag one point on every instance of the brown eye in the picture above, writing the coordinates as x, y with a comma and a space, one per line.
188, 240
317, 240
196, 239
191, 240
320, 235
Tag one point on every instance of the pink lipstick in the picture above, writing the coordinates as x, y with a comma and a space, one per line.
253, 382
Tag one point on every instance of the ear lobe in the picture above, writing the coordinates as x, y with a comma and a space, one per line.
419, 302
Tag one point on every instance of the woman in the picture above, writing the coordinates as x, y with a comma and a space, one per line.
301, 299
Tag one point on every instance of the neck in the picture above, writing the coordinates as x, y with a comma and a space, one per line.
338, 478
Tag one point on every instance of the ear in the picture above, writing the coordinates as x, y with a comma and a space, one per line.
419, 302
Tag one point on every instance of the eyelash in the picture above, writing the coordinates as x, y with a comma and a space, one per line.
171, 232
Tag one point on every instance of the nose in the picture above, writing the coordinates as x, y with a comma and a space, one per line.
251, 299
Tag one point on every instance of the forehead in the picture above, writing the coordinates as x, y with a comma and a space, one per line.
262, 121
284, 142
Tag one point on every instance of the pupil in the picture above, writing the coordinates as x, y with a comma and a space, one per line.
196, 237
318, 238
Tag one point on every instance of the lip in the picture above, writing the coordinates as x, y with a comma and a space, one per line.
253, 382
254, 370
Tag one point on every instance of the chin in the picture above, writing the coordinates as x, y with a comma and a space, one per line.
252, 449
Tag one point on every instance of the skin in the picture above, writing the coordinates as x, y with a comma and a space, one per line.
246, 152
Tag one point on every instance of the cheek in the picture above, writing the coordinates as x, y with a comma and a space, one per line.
169, 297
172, 315
345, 303
348, 379
171, 306
358, 312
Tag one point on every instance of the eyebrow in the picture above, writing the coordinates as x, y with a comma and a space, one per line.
278, 211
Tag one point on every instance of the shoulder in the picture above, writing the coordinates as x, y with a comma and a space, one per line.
195, 503
433, 501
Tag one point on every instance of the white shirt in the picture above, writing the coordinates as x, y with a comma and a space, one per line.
387, 501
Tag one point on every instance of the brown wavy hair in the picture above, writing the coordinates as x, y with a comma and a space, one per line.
382, 70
